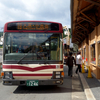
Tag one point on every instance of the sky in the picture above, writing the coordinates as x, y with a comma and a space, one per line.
40, 10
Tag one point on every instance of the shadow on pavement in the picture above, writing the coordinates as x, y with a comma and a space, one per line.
42, 89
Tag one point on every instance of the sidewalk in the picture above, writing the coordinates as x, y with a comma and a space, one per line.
91, 86
73, 83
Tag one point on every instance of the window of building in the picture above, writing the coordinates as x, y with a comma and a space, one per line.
93, 58
99, 53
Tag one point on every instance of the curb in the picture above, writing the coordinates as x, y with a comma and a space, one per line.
81, 82
87, 90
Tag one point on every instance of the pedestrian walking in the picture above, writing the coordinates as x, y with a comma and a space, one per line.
78, 62
69, 62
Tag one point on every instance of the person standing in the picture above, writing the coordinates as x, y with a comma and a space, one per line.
78, 62
69, 62
19, 50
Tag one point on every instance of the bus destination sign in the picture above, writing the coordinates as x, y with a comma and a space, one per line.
32, 26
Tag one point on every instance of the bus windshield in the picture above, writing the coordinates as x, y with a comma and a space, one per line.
36, 46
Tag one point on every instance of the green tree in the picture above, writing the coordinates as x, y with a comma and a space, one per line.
1, 34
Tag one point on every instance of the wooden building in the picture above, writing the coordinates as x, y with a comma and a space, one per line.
85, 25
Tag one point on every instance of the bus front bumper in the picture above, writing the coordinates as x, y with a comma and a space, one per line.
40, 82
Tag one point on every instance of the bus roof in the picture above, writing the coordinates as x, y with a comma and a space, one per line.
34, 21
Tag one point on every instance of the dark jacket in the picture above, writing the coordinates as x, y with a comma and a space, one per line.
70, 60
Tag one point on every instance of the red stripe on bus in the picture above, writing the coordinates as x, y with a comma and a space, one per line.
28, 68
7, 66
61, 66
32, 74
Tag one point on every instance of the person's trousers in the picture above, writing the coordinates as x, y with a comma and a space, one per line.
70, 69
78, 68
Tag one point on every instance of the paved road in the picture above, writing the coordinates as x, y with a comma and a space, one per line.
70, 90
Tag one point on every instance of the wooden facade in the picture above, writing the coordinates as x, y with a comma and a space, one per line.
85, 26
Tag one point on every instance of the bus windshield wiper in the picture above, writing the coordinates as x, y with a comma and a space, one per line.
22, 58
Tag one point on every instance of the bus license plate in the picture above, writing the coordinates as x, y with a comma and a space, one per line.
32, 83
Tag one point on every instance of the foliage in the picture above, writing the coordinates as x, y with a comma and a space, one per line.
1, 34
75, 47
1, 46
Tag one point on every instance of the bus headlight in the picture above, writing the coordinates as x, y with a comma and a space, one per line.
58, 74
8, 75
